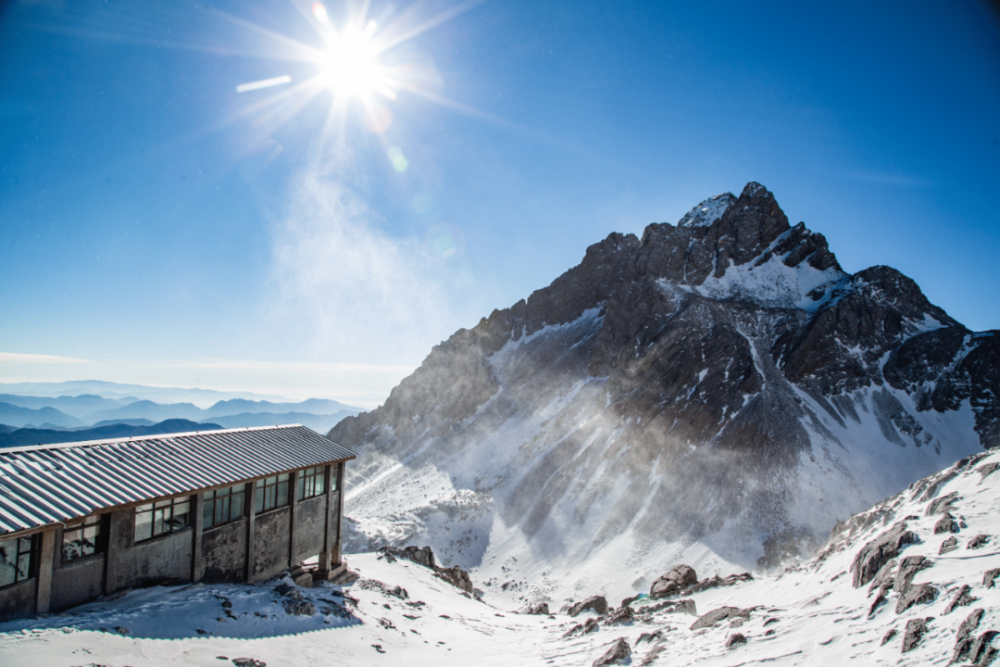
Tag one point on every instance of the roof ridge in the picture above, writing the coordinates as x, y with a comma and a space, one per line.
140, 438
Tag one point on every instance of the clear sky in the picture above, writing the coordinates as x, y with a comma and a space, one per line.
317, 236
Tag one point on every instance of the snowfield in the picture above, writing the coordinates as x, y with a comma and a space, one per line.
811, 614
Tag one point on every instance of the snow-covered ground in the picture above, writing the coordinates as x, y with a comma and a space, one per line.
808, 615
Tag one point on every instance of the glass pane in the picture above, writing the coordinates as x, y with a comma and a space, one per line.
260, 484
24, 566
143, 525
208, 513
301, 487
163, 503
283, 493
209, 495
258, 504
321, 483
144, 508
181, 511
283, 478
269, 497
271, 481
8, 558
236, 508
223, 509
224, 492
159, 525
333, 479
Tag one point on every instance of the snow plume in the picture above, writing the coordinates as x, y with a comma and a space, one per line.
346, 288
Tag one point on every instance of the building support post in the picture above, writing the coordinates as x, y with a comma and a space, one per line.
338, 518
46, 554
293, 506
197, 557
251, 515
324, 556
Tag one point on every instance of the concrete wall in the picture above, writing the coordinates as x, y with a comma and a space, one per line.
130, 565
270, 547
224, 550
310, 523
76, 582
18, 601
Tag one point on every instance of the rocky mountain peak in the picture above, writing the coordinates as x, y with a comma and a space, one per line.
719, 382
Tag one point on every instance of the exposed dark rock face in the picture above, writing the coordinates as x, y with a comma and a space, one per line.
880, 551
619, 652
947, 545
595, 603
716, 616
673, 581
735, 639
915, 594
963, 639
541, 609
978, 542
946, 524
908, 569
963, 598
990, 576
701, 367
915, 629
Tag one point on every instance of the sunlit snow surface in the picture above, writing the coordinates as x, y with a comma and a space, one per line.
819, 618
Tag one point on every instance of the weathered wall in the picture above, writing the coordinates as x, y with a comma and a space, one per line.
225, 552
76, 582
18, 601
161, 559
310, 522
270, 548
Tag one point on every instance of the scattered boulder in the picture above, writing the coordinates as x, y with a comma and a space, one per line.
915, 629
540, 609
880, 600
735, 639
595, 603
249, 662
288, 591
300, 608
122, 630
990, 576
885, 578
621, 615
908, 569
345, 577
873, 555
717, 581
716, 616
987, 469
982, 653
649, 637
948, 545
678, 577
627, 601
457, 577
963, 638
946, 524
915, 594
978, 541
685, 606
887, 637
942, 504
618, 652
962, 599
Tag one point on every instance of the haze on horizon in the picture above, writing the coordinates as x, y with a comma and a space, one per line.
289, 199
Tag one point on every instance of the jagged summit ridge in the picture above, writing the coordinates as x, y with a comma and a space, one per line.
715, 393
708, 211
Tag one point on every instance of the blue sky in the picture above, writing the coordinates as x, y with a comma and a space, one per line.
157, 226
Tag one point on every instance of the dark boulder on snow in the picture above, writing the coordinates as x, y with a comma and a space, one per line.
978, 542
963, 598
908, 569
677, 578
948, 545
990, 576
595, 603
915, 594
880, 551
685, 606
946, 524
619, 652
249, 662
915, 629
942, 504
540, 609
963, 639
982, 652
716, 616
735, 639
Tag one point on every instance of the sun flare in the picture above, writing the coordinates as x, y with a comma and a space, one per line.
351, 65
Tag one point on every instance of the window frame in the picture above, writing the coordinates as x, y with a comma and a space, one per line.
267, 501
31, 553
210, 520
100, 538
158, 506
310, 483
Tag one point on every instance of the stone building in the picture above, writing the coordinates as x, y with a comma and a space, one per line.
86, 519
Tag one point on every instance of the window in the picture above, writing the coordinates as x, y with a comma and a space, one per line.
311, 482
223, 505
15, 560
272, 492
161, 518
82, 539
334, 477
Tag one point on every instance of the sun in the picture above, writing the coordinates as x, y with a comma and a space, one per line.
351, 67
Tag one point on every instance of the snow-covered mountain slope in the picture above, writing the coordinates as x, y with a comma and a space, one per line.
719, 392
905, 602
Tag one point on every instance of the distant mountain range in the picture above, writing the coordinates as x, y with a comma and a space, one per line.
35, 436
129, 392
75, 412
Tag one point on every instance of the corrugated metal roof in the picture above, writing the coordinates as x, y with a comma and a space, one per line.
45, 484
